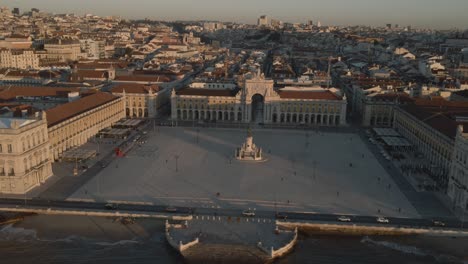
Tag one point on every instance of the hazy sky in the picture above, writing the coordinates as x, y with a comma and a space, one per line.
420, 13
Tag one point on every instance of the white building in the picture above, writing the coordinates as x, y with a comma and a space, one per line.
94, 49
24, 153
263, 21
63, 49
73, 124
259, 102
141, 100
458, 178
19, 59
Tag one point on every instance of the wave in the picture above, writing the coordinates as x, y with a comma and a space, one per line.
410, 250
69, 239
19, 234
118, 243
11, 233
405, 249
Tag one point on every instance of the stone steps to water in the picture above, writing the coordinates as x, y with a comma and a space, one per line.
223, 253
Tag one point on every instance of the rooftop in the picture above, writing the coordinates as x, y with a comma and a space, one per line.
208, 92
142, 78
11, 92
6, 122
317, 95
440, 117
135, 88
69, 110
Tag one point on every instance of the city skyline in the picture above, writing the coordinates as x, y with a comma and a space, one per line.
417, 13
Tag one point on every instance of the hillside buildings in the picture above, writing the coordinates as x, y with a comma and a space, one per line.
19, 59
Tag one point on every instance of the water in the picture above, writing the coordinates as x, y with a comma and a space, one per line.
19, 245
327, 249
25, 245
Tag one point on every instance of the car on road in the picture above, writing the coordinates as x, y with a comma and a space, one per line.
110, 206
344, 219
171, 209
127, 220
248, 213
382, 220
280, 216
438, 223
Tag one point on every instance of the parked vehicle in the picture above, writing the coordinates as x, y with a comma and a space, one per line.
110, 206
171, 209
344, 219
438, 223
382, 220
280, 216
248, 213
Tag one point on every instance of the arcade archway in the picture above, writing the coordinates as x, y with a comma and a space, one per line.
258, 102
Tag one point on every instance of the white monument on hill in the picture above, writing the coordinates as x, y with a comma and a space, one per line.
249, 151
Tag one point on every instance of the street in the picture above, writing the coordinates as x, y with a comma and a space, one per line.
264, 214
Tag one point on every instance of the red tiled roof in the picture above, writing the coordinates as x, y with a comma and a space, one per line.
66, 111
18, 73
325, 95
208, 92
101, 65
82, 74
438, 101
402, 97
142, 78
441, 118
11, 92
135, 88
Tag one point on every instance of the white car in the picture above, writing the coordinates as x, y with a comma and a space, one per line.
382, 220
344, 219
248, 213
171, 209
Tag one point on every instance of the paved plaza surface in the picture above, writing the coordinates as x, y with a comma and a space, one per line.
305, 172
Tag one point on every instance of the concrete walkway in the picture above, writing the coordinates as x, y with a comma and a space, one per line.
426, 203
233, 231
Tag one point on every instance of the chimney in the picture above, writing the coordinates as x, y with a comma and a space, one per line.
18, 113
14, 124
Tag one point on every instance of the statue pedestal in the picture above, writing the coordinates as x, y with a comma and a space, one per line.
249, 151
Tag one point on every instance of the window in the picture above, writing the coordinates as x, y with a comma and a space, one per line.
10, 148
1, 149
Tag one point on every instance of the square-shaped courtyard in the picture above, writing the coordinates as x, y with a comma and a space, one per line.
305, 171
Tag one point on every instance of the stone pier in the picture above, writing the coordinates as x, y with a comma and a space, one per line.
216, 238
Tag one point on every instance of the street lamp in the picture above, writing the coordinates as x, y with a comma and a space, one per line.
315, 166
25, 193
463, 212
176, 159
